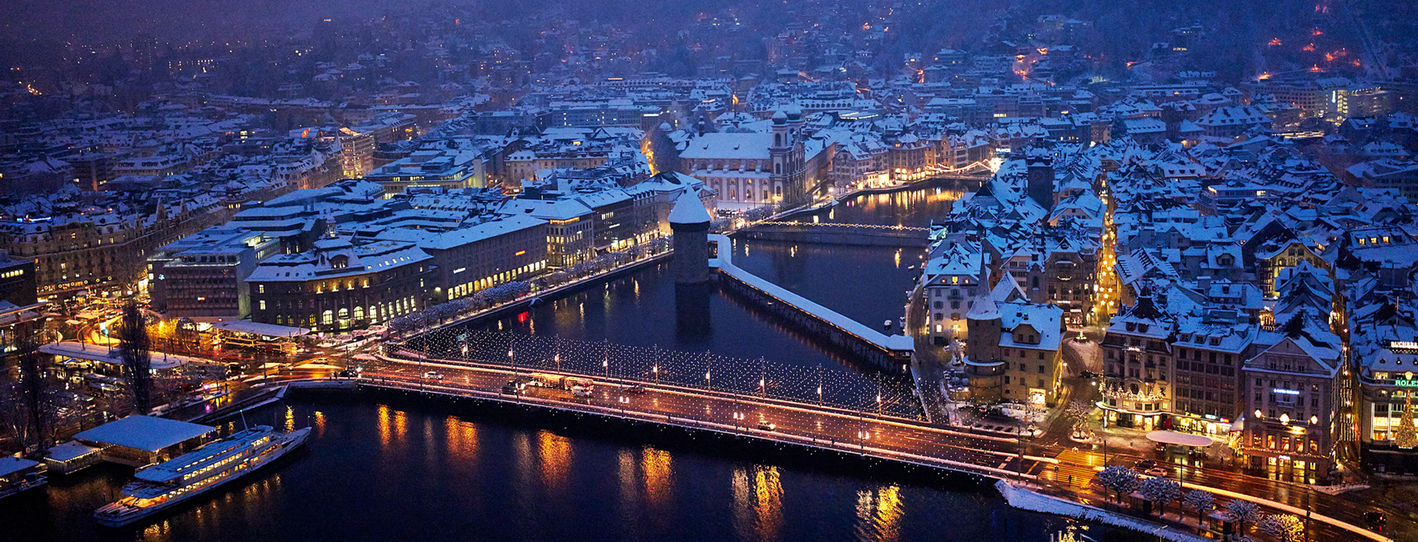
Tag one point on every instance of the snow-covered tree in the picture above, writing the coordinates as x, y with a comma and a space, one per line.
1161, 491
1199, 501
1241, 513
1284, 527
1120, 480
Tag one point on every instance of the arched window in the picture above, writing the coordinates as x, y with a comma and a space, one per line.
328, 318
359, 313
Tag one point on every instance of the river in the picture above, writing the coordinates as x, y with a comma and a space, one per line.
381, 471
400, 471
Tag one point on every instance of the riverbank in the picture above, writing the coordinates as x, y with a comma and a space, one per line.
1025, 499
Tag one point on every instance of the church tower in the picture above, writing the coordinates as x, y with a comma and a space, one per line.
983, 320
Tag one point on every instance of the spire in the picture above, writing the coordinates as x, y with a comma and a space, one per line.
983, 307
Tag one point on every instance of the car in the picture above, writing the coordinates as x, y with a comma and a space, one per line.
767, 425
635, 390
1158, 472
1376, 520
433, 375
1160, 448
579, 391
1145, 464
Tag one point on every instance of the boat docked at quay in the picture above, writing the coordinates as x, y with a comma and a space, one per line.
164, 486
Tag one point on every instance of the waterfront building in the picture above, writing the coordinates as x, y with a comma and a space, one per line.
478, 255
338, 286
752, 169
569, 233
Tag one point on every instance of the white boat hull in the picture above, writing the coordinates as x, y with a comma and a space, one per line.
120, 515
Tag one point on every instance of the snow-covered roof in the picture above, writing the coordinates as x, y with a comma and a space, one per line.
257, 328
69, 451
12, 464
689, 209
728, 145
148, 433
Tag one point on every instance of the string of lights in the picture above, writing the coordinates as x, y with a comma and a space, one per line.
826, 385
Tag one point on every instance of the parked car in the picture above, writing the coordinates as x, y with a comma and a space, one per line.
766, 425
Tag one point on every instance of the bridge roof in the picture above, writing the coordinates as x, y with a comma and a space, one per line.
898, 343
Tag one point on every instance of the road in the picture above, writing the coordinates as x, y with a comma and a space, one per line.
969, 451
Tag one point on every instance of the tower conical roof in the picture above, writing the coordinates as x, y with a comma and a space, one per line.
689, 210
983, 307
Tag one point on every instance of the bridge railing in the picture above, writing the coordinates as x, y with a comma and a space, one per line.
858, 445
827, 384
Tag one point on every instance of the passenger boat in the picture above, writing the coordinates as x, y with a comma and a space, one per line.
163, 486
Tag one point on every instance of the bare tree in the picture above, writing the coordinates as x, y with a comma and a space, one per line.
1079, 413
14, 421
34, 389
134, 346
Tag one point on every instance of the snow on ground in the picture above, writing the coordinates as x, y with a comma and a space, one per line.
1341, 488
1028, 500
1089, 352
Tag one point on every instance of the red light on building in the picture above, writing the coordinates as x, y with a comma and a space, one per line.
522, 318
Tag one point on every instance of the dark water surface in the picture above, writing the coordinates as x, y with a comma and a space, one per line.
403, 471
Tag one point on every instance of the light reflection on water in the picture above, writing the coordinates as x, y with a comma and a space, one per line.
554, 457
879, 514
473, 478
655, 467
758, 502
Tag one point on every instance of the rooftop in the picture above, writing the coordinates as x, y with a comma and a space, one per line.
148, 433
